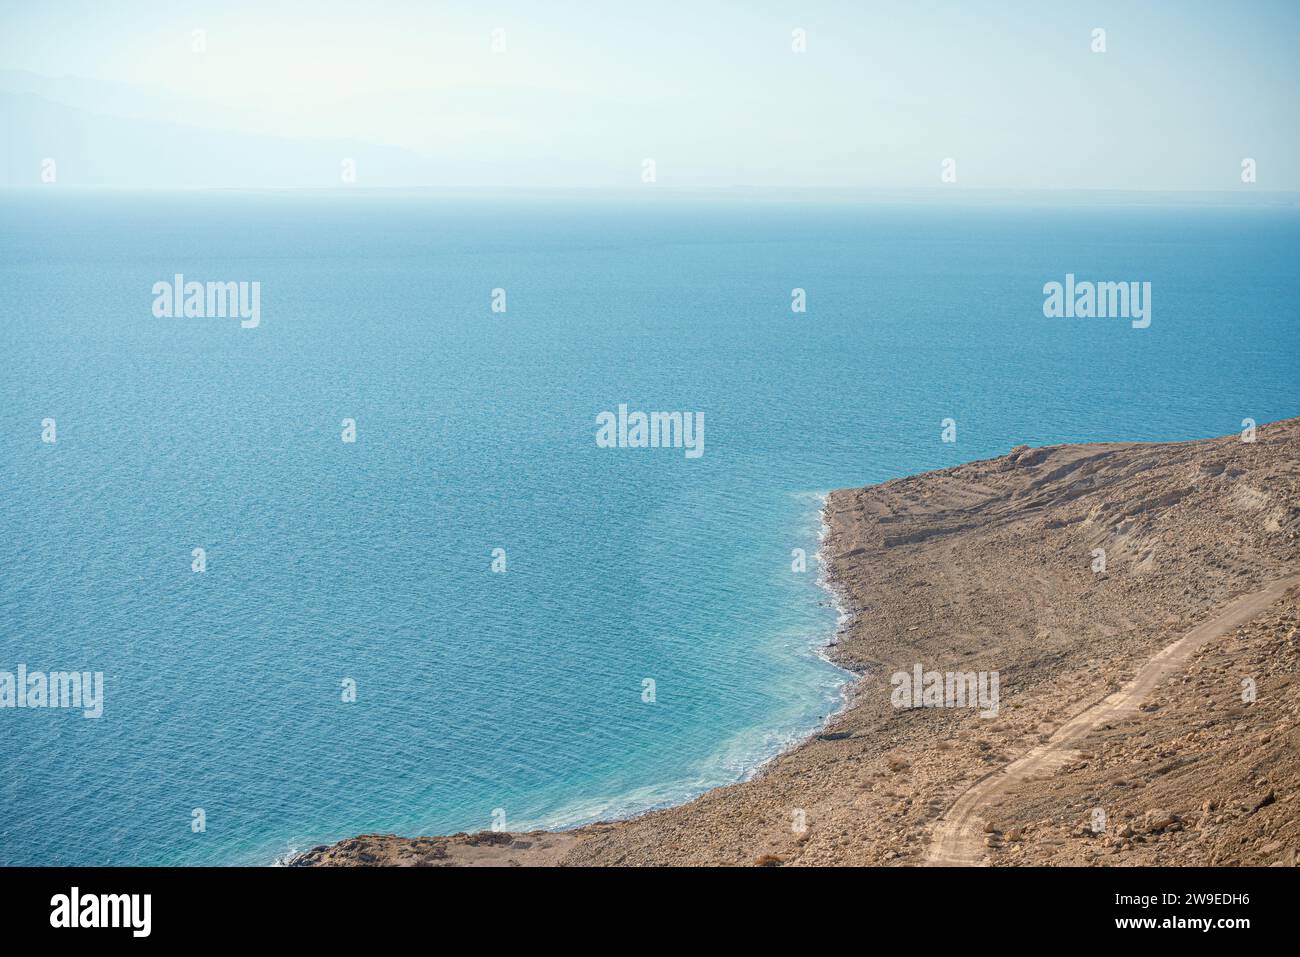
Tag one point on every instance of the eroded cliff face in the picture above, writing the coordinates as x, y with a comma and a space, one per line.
1063, 570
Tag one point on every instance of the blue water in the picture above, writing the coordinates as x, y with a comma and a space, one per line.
370, 561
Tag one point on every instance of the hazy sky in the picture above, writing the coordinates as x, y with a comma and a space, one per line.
709, 89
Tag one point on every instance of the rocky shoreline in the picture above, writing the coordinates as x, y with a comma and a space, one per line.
993, 568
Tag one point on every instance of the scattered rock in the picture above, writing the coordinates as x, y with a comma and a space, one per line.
1155, 821
1265, 801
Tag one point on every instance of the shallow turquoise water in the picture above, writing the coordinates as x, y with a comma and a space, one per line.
523, 691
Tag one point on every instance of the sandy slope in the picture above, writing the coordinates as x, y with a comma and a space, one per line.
989, 566
959, 836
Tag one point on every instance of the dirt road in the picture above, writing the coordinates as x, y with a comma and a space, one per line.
958, 838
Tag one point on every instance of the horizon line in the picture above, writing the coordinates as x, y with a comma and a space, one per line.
1237, 195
